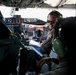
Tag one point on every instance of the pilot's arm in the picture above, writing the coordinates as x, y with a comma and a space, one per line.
39, 27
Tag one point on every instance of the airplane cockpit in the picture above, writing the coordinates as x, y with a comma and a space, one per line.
24, 49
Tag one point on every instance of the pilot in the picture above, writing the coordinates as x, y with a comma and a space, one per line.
65, 48
46, 46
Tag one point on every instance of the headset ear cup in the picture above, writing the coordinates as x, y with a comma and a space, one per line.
59, 47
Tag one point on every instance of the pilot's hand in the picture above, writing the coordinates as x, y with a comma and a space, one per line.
31, 26
43, 60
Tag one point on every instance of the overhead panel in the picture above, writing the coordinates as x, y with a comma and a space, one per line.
36, 3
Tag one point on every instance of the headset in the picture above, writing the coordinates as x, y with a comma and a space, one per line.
58, 43
59, 47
